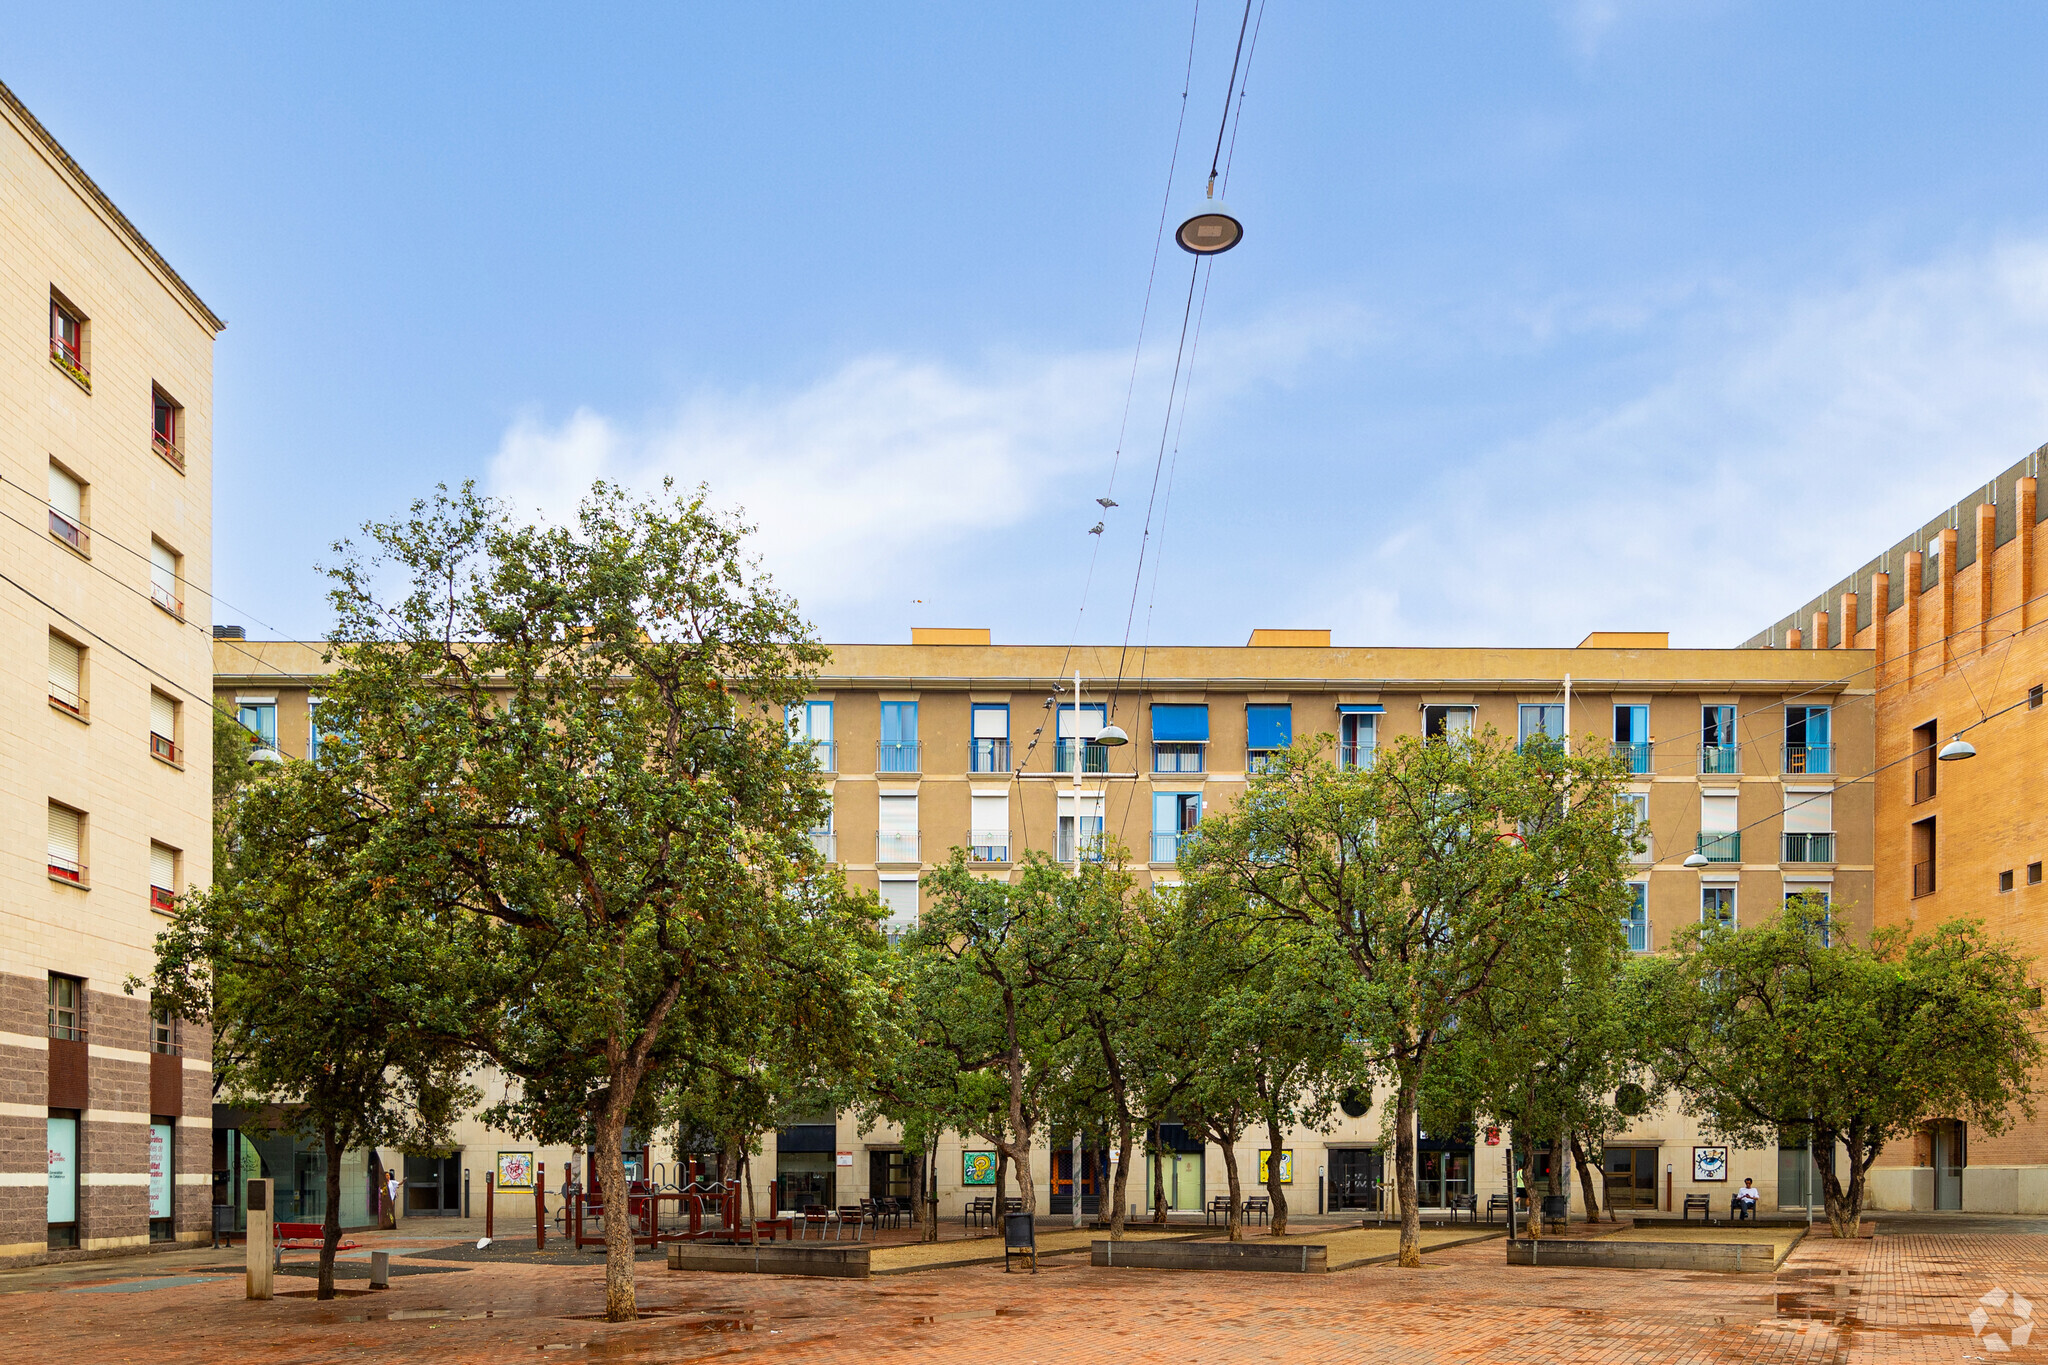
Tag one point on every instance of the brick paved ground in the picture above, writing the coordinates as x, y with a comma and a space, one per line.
1904, 1297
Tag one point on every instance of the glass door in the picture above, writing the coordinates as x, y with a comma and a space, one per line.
1630, 1176
1355, 1178
1949, 1159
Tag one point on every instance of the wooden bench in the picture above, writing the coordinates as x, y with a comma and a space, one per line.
1259, 1206
1700, 1202
1499, 1203
303, 1237
1466, 1203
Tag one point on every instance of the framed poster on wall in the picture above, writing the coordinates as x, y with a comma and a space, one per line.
1286, 1165
515, 1170
977, 1168
1710, 1163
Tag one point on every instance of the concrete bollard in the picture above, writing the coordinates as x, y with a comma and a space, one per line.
261, 1252
380, 1270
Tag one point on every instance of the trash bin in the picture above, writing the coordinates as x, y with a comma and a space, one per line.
223, 1225
1020, 1238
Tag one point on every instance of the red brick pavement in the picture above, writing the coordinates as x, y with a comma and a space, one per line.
1905, 1298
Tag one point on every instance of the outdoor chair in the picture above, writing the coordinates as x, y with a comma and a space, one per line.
1468, 1203
1259, 1206
1699, 1202
815, 1216
853, 1215
1498, 1203
980, 1213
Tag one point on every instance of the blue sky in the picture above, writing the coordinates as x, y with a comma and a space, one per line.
1549, 317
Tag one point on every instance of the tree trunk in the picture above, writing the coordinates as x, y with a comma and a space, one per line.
1274, 1190
1586, 1183
1159, 1204
1229, 1145
1002, 1184
1404, 1175
1535, 1212
620, 1303
330, 1230
931, 1223
1123, 1178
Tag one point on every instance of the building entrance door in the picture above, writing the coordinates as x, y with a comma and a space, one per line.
1630, 1174
1180, 1176
433, 1186
1355, 1178
1094, 1178
1950, 1156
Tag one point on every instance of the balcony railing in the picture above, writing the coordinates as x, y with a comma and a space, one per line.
826, 843
1167, 844
1718, 758
1094, 758
1923, 784
169, 449
1637, 926
167, 598
988, 845
1720, 848
1177, 757
70, 532
1356, 757
65, 870
65, 357
1260, 760
1809, 847
898, 758
988, 756
896, 848
824, 755
163, 899
1809, 758
1633, 755
162, 747
1923, 878
1091, 847
64, 699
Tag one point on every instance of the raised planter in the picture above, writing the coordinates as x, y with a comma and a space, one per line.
771, 1258
1741, 1258
1298, 1259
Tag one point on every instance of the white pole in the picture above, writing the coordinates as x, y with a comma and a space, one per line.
1567, 715
1080, 752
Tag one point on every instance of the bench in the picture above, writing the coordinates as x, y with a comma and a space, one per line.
1700, 1202
1466, 1203
1737, 1210
1259, 1206
303, 1237
1499, 1203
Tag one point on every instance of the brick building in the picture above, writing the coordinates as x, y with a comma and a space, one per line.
106, 379
1952, 619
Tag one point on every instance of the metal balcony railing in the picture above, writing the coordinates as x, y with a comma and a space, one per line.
988, 756
1167, 844
70, 532
826, 843
1091, 847
167, 598
896, 848
162, 747
1356, 757
1094, 758
1719, 758
824, 755
1810, 847
1177, 757
988, 845
65, 357
65, 870
162, 898
1809, 758
1923, 784
169, 449
898, 758
1260, 760
1720, 848
1634, 755
1923, 878
1638, 929
64, 699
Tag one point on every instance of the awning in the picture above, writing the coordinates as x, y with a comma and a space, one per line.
1180, 724
1345, 708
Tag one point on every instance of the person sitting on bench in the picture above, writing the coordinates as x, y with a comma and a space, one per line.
1745, 1199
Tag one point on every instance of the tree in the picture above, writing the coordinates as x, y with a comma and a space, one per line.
575, 738
1790, 1028
1449, 863
327, 1000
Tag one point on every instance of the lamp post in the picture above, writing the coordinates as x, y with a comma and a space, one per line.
1110, 737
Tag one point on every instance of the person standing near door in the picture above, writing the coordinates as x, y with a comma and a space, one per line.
394, 1195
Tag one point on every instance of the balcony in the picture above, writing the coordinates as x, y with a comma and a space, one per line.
1356, 757
65, 357
167, 598
1719, 758
1633, 756
1649, 853
1167, 844
66, 700
173, 453
1094, 758
1809, 848
988, 756
66, 870
1923, 878
1258, 761
1177, 758
825, 843
988, 845
1809, 758
1720, 848
163, 900
1923, 784
896, 848
1091, 847
824, 755
70, 532
162, 747
898, 758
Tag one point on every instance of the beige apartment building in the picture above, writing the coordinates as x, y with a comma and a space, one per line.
952, 741
106, 382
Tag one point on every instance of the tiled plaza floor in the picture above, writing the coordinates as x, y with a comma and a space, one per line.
1904, 1296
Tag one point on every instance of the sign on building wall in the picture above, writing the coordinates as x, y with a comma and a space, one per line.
1286, 1165
977, 1168
63, 1145
843, 1158
159, 1170
1710, 1163
515, 1170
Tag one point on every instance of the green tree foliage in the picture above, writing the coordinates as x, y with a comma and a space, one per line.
1789, 1027
1449, 865
328, 1002
575, 738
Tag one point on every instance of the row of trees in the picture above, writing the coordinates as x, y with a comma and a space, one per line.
558, 824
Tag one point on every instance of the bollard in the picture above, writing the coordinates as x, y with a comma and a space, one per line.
490, 1202
540, 1206
259, 1248
465, 1191
380, 1270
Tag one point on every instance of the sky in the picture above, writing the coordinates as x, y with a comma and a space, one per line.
1548, 317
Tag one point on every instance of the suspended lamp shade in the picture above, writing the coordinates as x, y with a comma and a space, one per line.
1696, 859
1211, 232
1111, 736
1955, 749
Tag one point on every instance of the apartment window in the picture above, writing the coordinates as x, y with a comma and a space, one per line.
1718, 747
810, 723
2033, 874
898, 752
259, 718
1922, 854
163, 878
988, 831
1174, 817
1637, 921
896, 828
165, 577
823, 838
1809, 827
1717, 906
1074, 731
1358, 736
1925, 767
70, 342
1439, 722
163, 1033
899, 906
1545, 720
1720, 835
1632, 737
163, 728
2005, 880
67, 510
67, 845
1817, 896
1638, 805
1807, 747
1180, 737
2034, 697
67, 676
312, 729
167, 429
67, 1008
1084, 838
989, 738
1267, 731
